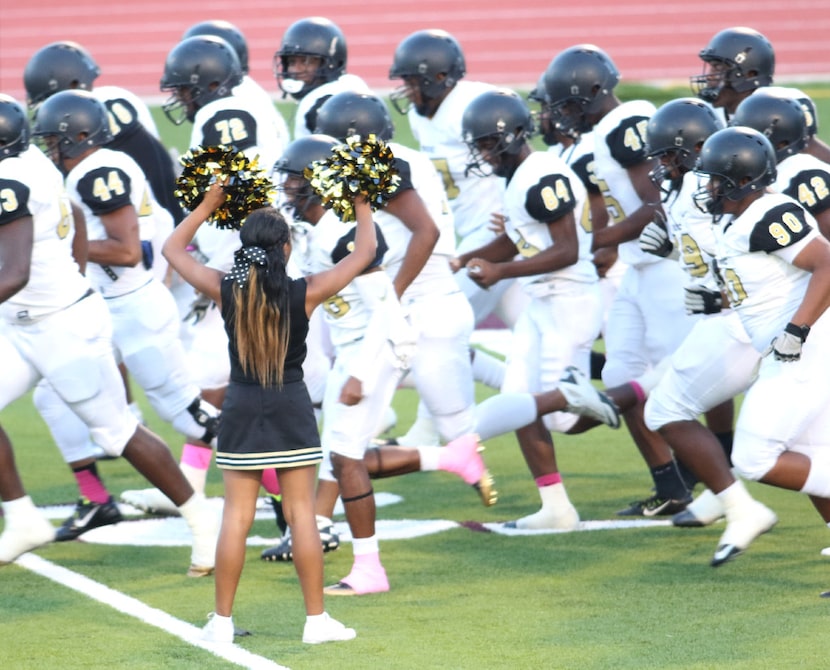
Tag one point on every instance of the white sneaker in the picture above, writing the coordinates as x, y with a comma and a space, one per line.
218, 629
584, 399
151, 501
741, 529
24, 533
826, 552
563, 518
325, 629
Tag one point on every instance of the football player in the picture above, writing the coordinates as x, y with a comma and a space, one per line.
801, 175
110, 189
716, 361
776, 271
64, 65
434, 95
59, 328
247, 88
310, 66
739, 61
646, 321
549, 254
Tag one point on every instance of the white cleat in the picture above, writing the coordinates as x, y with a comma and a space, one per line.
826, 552
218, 629
151, 501
563, 518
702, 511
741, 529
326, 629
585, 399
24, 533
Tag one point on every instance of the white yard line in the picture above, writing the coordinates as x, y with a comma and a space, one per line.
149, 615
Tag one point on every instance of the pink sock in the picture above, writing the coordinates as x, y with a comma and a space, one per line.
196, 457
549, 480
91, 487
270, 481
368, 561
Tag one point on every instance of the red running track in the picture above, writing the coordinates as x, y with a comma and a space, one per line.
505, 43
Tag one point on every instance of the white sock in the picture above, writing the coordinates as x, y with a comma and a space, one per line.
554, 496
504, 413
735, 495
430, 457
190, 509
365, 545
488, 369
196, 476
20, 507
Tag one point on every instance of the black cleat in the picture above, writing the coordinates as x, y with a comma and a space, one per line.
655, 506
88, 515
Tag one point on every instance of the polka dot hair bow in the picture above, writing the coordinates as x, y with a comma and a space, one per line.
243, 259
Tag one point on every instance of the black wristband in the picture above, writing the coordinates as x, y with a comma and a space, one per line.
798, 331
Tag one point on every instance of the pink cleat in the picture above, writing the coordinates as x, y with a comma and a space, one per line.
359, 582
462, 457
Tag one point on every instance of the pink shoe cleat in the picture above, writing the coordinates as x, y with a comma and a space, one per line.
462, 457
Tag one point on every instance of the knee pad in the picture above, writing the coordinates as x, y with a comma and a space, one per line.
199, 421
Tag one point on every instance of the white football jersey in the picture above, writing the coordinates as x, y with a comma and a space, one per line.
305, 119
330, 240
125, 109
755, 252
417, 172
619, 142
30, 185
544, 189
472, 198
579, 156
241, 123
251, 91
806, 179
101, 183
691, 231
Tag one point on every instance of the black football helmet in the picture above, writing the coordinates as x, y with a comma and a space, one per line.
433, 61
780, 119
578, 82
70, 122
675, 134
738, 161
348, 113
496, 126
745, 61
228, 32
57, 67
316, 37
199, 70
14, 127
298, 155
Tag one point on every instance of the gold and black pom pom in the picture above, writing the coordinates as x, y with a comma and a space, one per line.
248, 188
356, 167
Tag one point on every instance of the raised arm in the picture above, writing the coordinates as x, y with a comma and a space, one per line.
204, 279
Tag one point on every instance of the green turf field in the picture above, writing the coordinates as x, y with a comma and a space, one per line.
635, 599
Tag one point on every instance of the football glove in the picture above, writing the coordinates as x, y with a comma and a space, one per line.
655, 240
786, 347
702, 300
